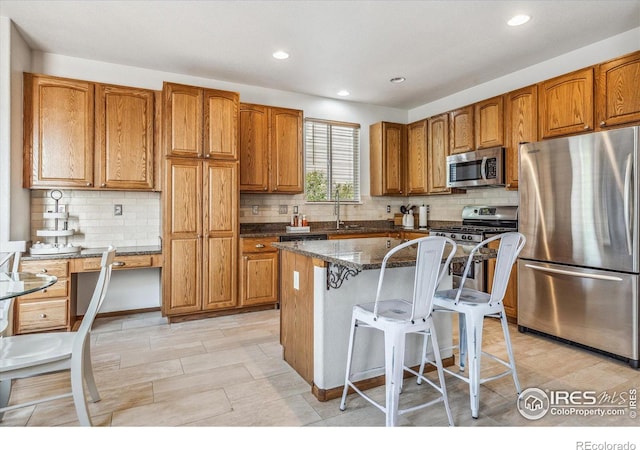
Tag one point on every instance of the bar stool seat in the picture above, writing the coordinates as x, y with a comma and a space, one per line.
398, 317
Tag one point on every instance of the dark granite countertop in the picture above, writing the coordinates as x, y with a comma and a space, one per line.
97, 251
368, 253
329, 228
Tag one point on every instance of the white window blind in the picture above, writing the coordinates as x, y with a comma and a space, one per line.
332, 160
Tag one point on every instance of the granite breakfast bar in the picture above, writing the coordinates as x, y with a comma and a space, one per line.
320, 281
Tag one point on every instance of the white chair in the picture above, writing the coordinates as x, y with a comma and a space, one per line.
398, 317
8, 263
473, 306
30, 355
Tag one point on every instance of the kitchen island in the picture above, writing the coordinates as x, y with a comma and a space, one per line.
320, 282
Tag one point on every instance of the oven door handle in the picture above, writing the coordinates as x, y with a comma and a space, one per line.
593, 276
483, 168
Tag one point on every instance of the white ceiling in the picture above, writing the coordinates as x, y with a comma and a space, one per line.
441, 47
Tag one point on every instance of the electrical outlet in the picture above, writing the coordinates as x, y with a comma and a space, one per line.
117, 210
255, 210
388, 208
295, 210
62, 208
283, 209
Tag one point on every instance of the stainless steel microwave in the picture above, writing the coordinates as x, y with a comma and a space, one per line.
476, 169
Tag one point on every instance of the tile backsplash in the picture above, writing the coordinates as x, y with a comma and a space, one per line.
91, 215
442, 207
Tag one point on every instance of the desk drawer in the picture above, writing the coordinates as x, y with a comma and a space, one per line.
58, 289
41, 315
258, 244
120, 262
59, 268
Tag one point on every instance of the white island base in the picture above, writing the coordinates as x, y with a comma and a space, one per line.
315, 322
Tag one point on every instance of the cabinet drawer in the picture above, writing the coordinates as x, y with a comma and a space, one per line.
58, 289
59, 268
42, 315
258, 244
120, 262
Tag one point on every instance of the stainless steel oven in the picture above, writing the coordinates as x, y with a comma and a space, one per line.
478, 224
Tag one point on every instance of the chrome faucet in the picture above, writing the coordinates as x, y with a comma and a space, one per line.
336, 209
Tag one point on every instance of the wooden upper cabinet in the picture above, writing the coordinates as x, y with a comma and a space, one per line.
521, 126
271, 155
221, 124
417, 174
58, 132
124, 137
387, 142
489, 122
286, 150
183, 106
618, 92
566, 104
254, 148
438, 150
461, 134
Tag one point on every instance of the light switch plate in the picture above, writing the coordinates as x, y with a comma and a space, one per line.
283, 209
255, 210
117, 210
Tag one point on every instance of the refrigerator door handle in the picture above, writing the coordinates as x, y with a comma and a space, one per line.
574, 274
627, 203
483, 168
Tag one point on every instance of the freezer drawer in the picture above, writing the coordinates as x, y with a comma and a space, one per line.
595, 308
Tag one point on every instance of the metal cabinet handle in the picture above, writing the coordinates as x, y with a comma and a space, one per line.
119, 263
103, 185
259, 245
586, 127
44, 271
594, 276
43, 316
603, 123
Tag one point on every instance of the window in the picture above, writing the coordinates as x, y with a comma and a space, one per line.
332, 160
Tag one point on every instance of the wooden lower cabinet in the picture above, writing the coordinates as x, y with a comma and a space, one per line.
50, 309
510, 301
258, 271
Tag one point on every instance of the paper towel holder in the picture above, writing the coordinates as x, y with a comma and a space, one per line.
422, 217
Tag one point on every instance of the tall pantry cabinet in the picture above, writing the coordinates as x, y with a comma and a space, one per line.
200, 200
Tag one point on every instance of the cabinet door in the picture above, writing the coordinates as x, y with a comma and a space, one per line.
259, 278
521, 125
221, 234
182, 217
220, 124
417, 158
461, 130
386, 157
286, 150
124, 137
489, 122
618, 91
59, 139
183, 107
438, 150
566, 104
254, 148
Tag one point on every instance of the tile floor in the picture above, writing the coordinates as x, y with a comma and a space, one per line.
228, 372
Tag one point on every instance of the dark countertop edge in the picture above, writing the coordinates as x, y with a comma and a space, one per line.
332, 232
94, 252
485, 254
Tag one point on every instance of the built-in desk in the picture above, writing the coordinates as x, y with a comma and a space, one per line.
55, 308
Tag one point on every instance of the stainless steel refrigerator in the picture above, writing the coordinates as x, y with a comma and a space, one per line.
578, 272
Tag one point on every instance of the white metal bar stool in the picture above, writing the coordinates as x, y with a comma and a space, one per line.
473, 306
398, 317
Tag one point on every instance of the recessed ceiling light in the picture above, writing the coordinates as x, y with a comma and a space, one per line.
518, 19
280, 54
398, 80
343, 93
